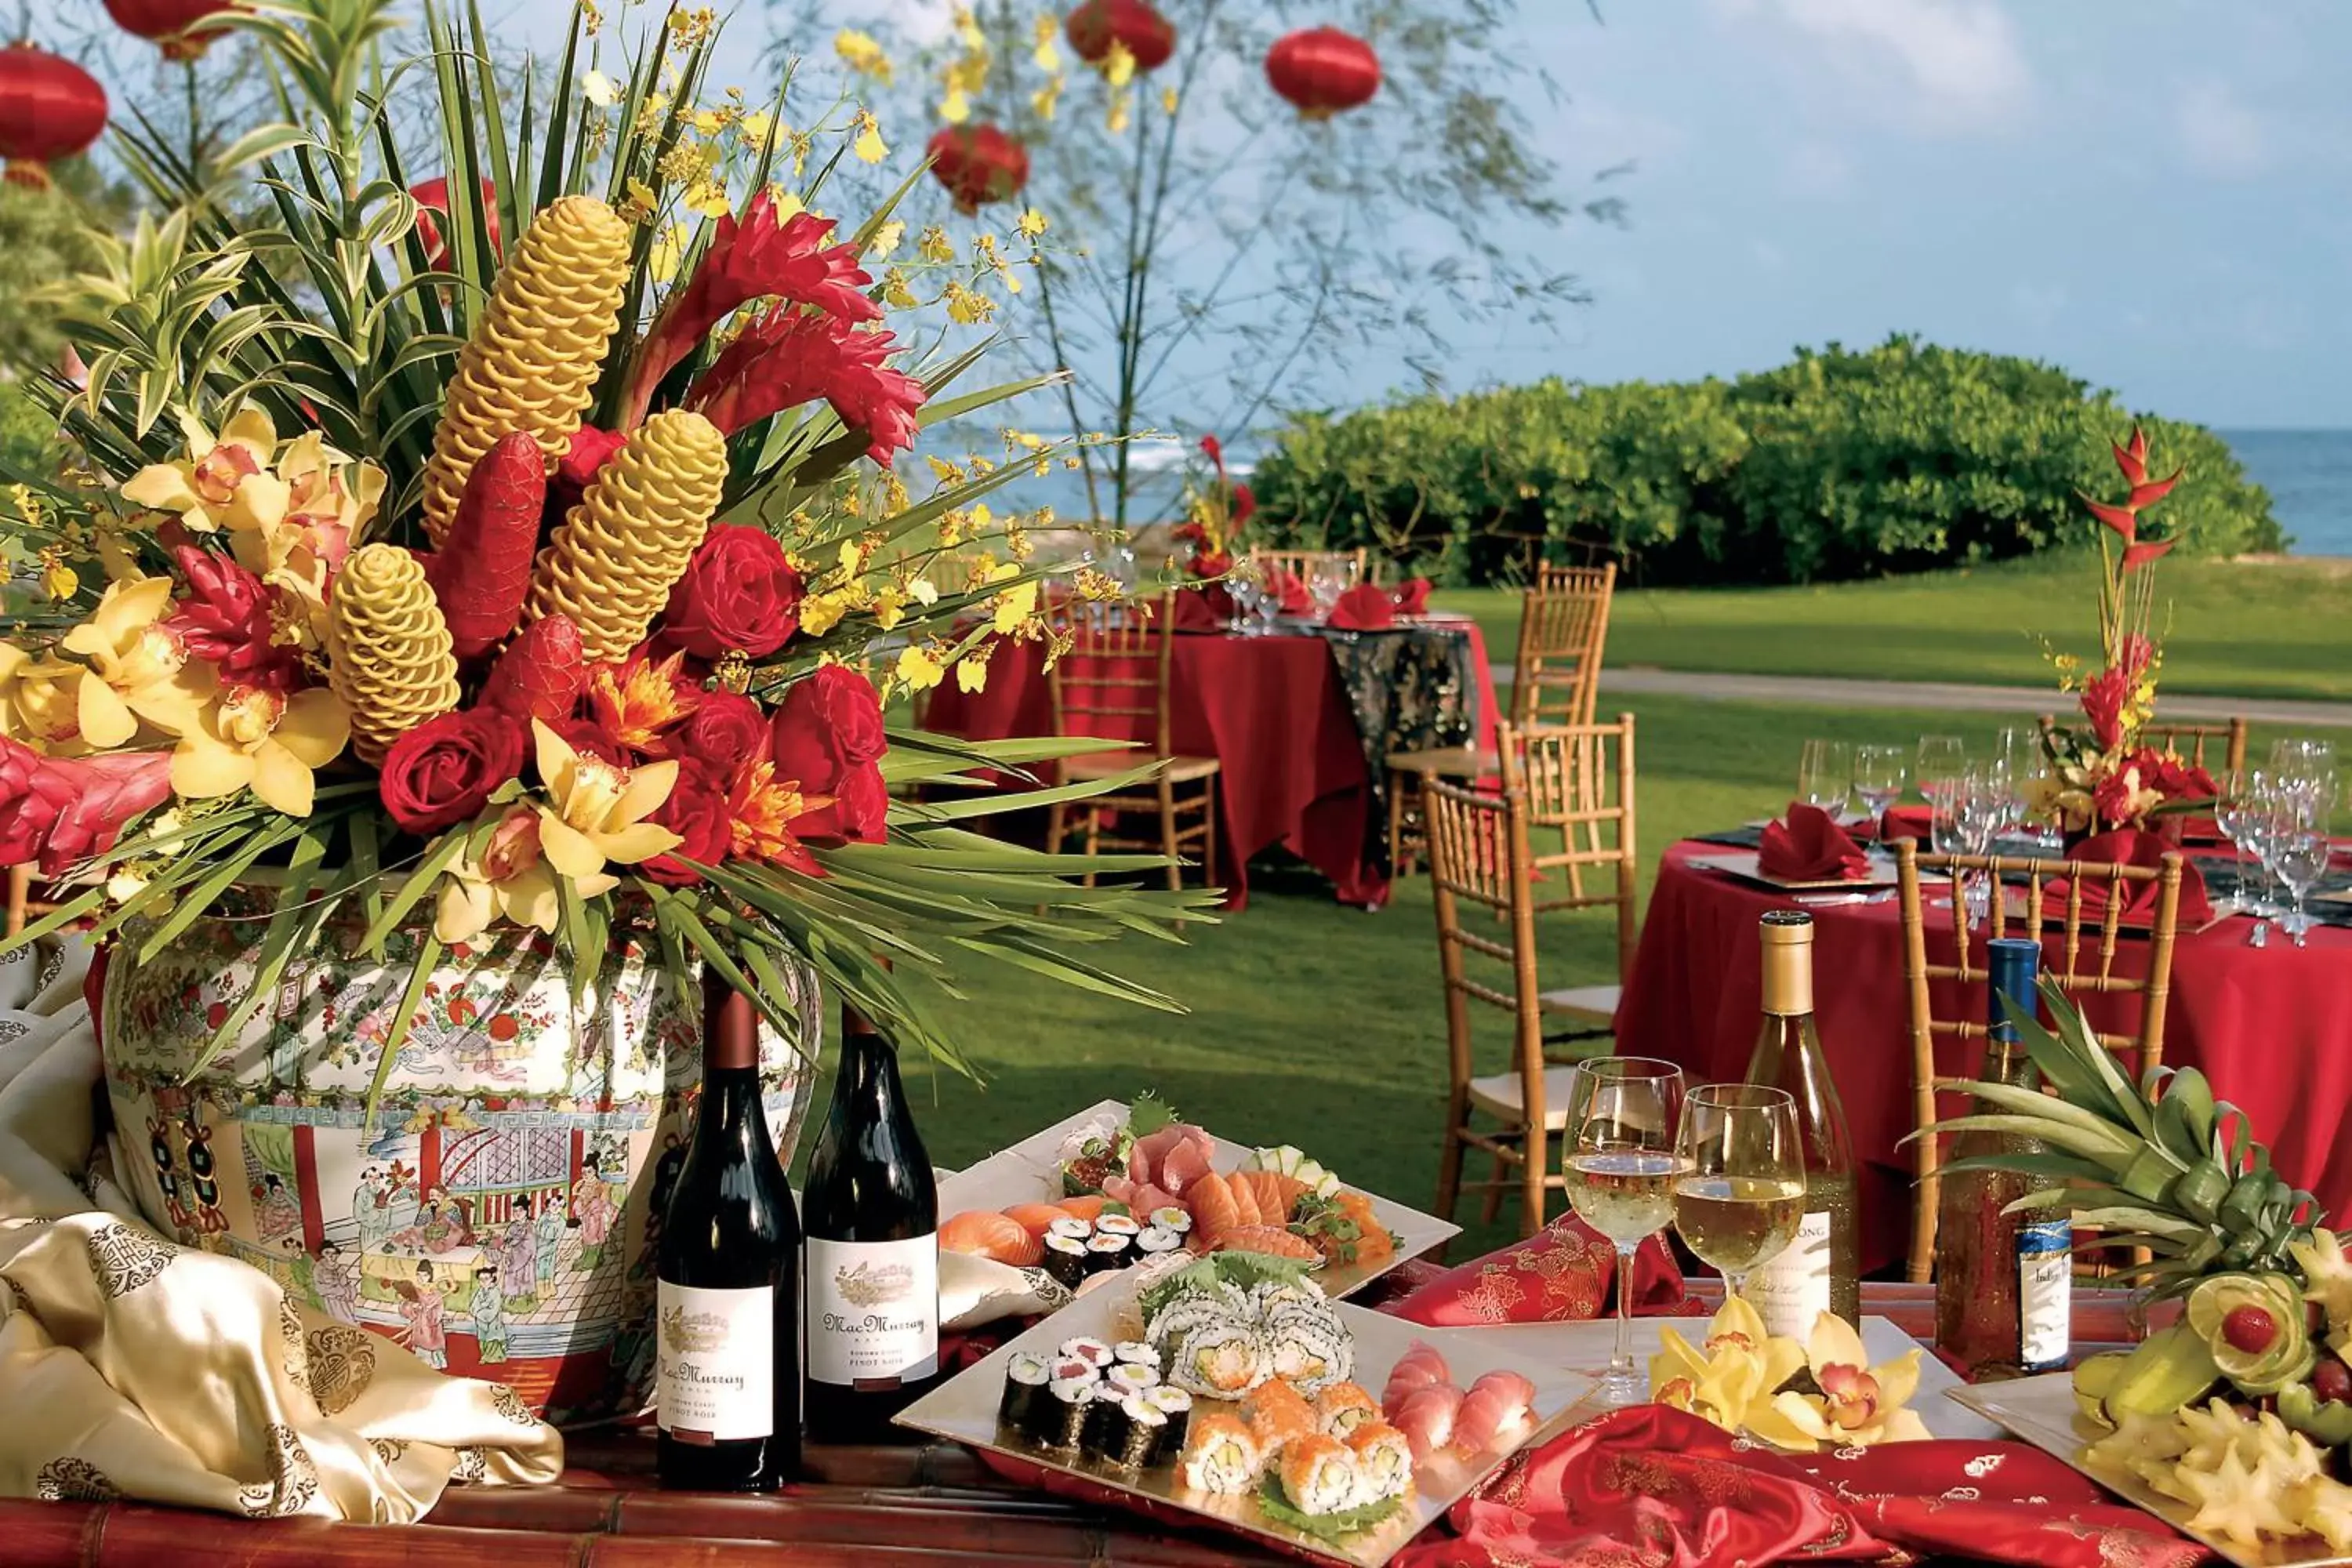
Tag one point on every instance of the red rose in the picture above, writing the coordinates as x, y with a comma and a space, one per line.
739, 596
862, 803
726, 728
442, 771
832, 716
697, 812
586, 737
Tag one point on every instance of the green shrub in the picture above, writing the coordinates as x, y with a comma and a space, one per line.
1841, 464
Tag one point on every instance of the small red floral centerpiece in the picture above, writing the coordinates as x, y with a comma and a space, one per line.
1215, 512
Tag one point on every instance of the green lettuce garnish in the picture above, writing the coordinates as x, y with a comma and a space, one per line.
1323, 1526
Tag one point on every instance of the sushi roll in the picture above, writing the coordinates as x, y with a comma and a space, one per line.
1272, 1296
1123, 1434
1278, 1417
1117, 1225
1342, 1407
1062, 1423
1155, 1240
1222, 1360
1093, 1352
1065, 1259
1177, 1405
1320, 1475
1136, 1352
1173, 1216
1185, 1314
1128, 1378
1025, 1377
1077, 1229
1107, 1251
1072, 1366
1383, 1457
1219, 1456
1310, 1347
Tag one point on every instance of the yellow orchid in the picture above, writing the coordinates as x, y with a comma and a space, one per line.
1858, 1405
507, 877
266, 740
208, 490
39, 705
1726, 1378
598, 810
139, 668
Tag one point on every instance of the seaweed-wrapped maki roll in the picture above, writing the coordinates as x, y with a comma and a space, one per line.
1123, 1432
1220, 1456
1177, 1406
1109, 1250
1136, 1352
1064, 1421
1129, 1378
1320, 1475
1156, 1239
1077, 1229
1065, 1259
1117, 1225
1093, 1352
1173, 1216
1025, 1377
1223, 1359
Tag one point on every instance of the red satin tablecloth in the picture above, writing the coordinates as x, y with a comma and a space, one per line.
2271, 1027
1272, 710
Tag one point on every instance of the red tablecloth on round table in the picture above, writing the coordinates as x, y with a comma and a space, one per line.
2271, 1026
1271, 709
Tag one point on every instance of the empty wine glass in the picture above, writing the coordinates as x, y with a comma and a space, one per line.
1825, 775
1742, 1190
1936, 765
2234, 804
1879, 775
1248, 582
1618, 1149
1327, 579
2301, 858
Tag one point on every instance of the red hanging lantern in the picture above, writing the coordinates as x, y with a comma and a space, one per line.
1323, 70
171, 23
979, 163
1096, 25
432, 196
49, 107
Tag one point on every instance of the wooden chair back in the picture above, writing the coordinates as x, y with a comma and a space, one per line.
1563, 630
1478, 869
1577, 780
2083, 964
1301, 564
2196, 744
1112, 681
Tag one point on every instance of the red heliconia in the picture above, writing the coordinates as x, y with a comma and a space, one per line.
1096, 25
49, 107
1323, 71
979, 163
171, 23
432, 196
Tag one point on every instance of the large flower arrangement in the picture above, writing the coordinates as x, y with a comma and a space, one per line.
516, 558
2102, 773
1215, 512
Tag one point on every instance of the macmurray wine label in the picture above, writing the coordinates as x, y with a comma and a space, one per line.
873, 1311
718, 1359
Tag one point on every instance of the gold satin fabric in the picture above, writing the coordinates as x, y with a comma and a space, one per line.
131, 1367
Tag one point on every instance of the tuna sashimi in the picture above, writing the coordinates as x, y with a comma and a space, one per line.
1186, 1164
1140, 1197
1494, 1403
1143, 1160
1419, 1367
1427, 1416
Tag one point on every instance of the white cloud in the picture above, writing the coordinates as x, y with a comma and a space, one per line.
1944, 65
2221, 135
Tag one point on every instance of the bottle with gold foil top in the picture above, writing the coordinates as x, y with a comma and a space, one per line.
1819, 1270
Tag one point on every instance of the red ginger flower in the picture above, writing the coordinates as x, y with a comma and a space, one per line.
228, 617
2104, 696
754, 259
64, 810
789, 357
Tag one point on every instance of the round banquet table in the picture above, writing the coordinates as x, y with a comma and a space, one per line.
1274, 711
2271, 1027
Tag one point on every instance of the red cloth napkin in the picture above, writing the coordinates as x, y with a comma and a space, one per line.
1561, 1274
1908, 822
1295, 598
1208, 609
1653, 1486
1808, 848
1364, 608
2130, 847
1412, 597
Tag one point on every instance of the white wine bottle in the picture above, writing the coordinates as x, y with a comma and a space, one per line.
1819, 1271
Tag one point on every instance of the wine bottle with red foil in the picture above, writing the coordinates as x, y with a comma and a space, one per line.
872, 1210
727, 1279
1819, 1270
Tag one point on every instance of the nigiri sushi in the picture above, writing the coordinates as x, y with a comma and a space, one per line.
1384, 1457
1420, 1366
1494, 1403
1426, 1417
1219, 1455
1320, 1475
1036, 1218
985, 1234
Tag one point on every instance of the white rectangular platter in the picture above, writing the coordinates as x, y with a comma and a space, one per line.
964, 1409
1028, 1172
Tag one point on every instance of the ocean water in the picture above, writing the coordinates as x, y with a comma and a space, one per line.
2309, 476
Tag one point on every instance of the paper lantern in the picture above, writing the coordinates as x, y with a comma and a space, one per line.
1096, 25
432, 196
49, 107
171, 23
979, 163
1323, 71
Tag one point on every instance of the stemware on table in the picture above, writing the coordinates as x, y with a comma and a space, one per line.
1825, 775
1879, 775
1619, 1152
1741, 1193
2300, 856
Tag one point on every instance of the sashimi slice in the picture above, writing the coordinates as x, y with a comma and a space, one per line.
1494, 1403
1427, 1417
1244, 1201
1088, 1206
1271, 1239
1420, 1366
1186, 1164
1274, 1193
1143, 1160
988, 1235
1214, 1211
1036, 1218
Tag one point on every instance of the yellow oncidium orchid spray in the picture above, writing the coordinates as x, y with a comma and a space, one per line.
595, 811
268, 741
138, 668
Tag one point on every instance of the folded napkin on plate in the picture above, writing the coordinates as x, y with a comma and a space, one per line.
1412, 597
1908, 822
1652, 1485
1297, 599
2129, 847
1364, 608
1208, 609
1808, 847
1561, 1274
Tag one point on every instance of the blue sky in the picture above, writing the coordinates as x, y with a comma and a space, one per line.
2151, 193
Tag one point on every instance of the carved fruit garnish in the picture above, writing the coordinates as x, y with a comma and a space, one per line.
2250, 1329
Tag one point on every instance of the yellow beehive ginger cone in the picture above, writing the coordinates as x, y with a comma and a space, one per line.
390, 657
537, 349
611, 565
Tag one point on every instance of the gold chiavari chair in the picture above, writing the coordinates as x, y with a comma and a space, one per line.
1576, 781
2082, 963
1301, 564
2194, 743
1112, 683
1479, 860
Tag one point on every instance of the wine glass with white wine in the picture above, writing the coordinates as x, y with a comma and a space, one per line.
1619, 1151
1741, 1192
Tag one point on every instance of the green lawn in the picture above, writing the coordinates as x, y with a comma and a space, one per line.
2275, 629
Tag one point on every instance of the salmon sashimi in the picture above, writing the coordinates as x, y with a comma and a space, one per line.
1244, 1202
1088, 1206
1274, 1193
982, 1234
1375, 1242
1270, 1240
1213, 1210
1036, 1218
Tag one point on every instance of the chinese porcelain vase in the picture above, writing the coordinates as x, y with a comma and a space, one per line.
500, 1216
